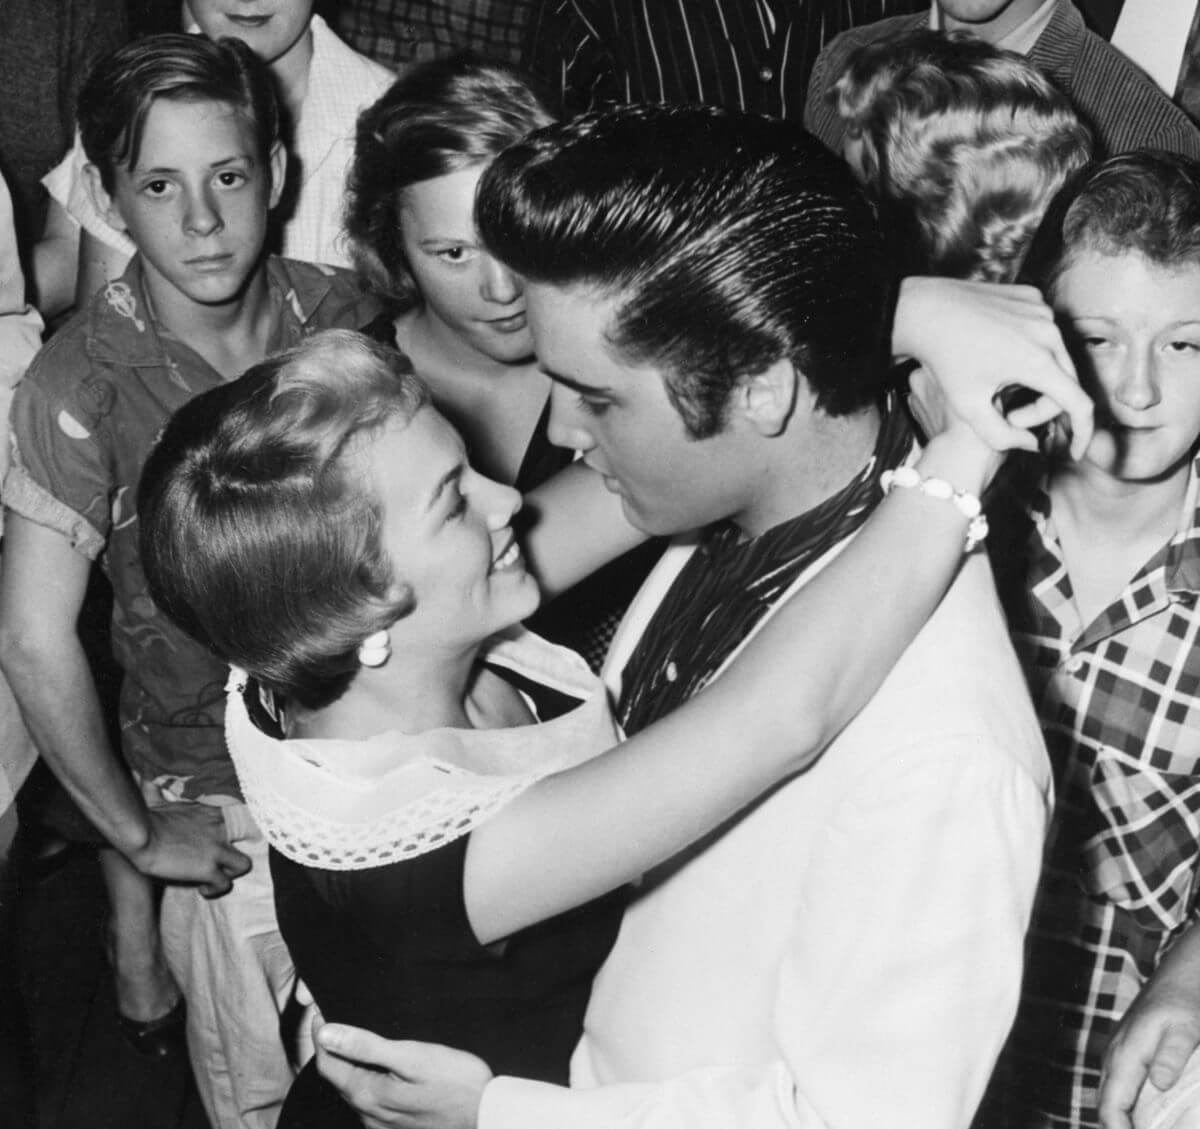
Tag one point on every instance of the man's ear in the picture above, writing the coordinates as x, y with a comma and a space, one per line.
278, 169
769, 398
104, 204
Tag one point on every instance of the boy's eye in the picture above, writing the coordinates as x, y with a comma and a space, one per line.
230, 178
455, 254
156, 187
1184, 346
1093, 341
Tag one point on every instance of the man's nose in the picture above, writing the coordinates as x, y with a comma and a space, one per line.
567, 427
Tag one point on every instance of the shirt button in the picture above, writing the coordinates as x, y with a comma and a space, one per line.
766, 74
1074, 664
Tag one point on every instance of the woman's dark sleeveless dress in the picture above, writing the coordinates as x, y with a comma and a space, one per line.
390, 949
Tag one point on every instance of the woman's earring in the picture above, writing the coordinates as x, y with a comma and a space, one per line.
375, 649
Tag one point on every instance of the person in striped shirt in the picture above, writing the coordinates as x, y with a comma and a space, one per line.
752, 55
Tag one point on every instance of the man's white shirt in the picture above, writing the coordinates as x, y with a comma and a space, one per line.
848, 953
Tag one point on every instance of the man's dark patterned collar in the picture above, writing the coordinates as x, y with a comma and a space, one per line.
893, 446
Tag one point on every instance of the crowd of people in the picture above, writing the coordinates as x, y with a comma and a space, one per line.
651, 558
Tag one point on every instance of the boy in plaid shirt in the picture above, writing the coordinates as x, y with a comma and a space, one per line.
1098, 564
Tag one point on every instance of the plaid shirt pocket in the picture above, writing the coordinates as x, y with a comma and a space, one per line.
1143, 848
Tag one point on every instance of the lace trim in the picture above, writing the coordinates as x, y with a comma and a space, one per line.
438, 818
319, 814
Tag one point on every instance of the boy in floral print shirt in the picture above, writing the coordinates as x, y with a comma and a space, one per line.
182, 135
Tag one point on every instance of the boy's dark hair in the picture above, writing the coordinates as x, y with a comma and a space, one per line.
437, 118
1145, 203
730, 241
257, 535
118, 93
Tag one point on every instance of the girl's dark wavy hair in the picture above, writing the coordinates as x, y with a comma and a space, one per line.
257, 537
118, 94
437, 118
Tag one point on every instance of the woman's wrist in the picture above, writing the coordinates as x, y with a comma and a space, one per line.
961, 458
966, 505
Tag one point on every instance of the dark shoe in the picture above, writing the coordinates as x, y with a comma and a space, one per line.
164, 1037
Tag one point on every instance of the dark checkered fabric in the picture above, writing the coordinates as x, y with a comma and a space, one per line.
1119, 702
403, 31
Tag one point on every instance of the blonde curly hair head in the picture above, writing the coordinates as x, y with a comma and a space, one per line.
963, 145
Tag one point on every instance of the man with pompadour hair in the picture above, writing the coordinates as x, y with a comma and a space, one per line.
710, 296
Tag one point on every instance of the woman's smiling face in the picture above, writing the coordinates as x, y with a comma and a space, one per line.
445, 530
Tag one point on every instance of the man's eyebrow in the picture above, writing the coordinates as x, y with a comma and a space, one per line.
576, 385
448, 479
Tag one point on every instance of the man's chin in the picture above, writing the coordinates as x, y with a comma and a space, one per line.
650, 523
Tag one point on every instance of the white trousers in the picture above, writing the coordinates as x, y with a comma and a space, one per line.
237, 977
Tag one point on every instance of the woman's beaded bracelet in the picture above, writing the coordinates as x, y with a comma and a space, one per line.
908, 478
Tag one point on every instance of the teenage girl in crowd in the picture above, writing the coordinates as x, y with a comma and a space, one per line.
456, 311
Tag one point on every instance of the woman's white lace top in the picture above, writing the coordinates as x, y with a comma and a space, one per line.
352, 805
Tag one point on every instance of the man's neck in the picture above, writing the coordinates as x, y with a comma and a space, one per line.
995, 29
810, 468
